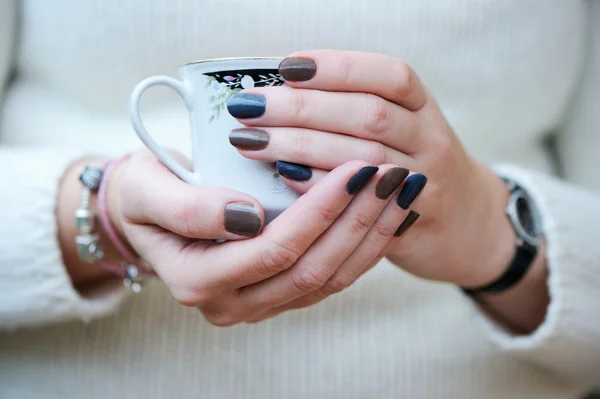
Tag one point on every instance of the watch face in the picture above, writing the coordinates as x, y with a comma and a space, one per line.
525, 217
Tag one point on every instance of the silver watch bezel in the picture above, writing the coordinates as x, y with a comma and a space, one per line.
512, 212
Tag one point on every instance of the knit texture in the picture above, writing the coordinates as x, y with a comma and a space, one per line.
507, 74
566, 343
35, 287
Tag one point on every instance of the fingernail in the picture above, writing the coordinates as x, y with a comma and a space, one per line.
246, 105
298, 69
293, 171
391, 180
413, 186
249, 139
360, 179
409, 221
242, 219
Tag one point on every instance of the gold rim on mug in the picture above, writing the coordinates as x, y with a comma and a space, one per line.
233, 59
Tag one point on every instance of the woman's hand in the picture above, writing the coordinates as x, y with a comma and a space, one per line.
319, 246
345, 106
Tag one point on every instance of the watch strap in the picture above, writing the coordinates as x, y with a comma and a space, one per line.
521, 263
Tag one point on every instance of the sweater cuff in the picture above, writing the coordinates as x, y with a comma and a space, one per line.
568, 340
35, 287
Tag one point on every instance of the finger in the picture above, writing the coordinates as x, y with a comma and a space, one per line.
283, 241
302, 302
387, 77
392, 222
314, 148
361, 115
322, 260
153, 195
299, 178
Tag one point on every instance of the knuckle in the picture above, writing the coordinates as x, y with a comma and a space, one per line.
184, 214
384, 230
361, 223
187, 297
298, 105
276, 258
220, 318
377, 153
335, 285
377, 116
306, 280
301, 145
220, 311
328, 213
403, 79
346, 65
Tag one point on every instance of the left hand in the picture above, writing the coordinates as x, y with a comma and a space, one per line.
360, 106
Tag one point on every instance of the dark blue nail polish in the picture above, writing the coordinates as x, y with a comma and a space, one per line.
293, 171
246, 105
413, 186
360, 179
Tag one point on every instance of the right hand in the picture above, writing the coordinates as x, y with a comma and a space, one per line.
317, 247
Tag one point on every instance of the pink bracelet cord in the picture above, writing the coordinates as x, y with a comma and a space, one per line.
112, 268
110, 230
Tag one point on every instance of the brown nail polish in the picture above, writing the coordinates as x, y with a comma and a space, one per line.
298, 69
249, 139
391, 180
409, 221
242, 219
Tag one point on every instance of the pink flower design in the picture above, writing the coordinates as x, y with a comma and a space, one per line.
229, 78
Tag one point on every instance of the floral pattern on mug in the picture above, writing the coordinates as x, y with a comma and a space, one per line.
228, 83
277, 185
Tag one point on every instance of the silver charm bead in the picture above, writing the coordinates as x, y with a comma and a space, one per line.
84, 221
89, 247
133, 280
91, 177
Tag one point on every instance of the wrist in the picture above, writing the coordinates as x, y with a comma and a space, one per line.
82, 274
496, 238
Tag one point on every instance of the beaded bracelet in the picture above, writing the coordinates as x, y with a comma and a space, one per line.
89, 247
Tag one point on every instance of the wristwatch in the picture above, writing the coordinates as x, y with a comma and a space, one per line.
526, 222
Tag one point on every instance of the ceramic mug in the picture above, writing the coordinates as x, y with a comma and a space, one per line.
205, 87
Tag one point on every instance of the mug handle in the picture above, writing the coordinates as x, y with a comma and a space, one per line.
134, 110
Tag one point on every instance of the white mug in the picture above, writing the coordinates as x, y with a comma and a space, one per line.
205, 87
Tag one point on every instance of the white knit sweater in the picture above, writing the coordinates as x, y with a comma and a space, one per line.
508, 73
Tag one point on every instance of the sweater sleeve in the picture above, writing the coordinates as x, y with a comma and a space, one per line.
34, 285
568, 341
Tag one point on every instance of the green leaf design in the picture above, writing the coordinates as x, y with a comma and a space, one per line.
219, 100
262, 76
273, 75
